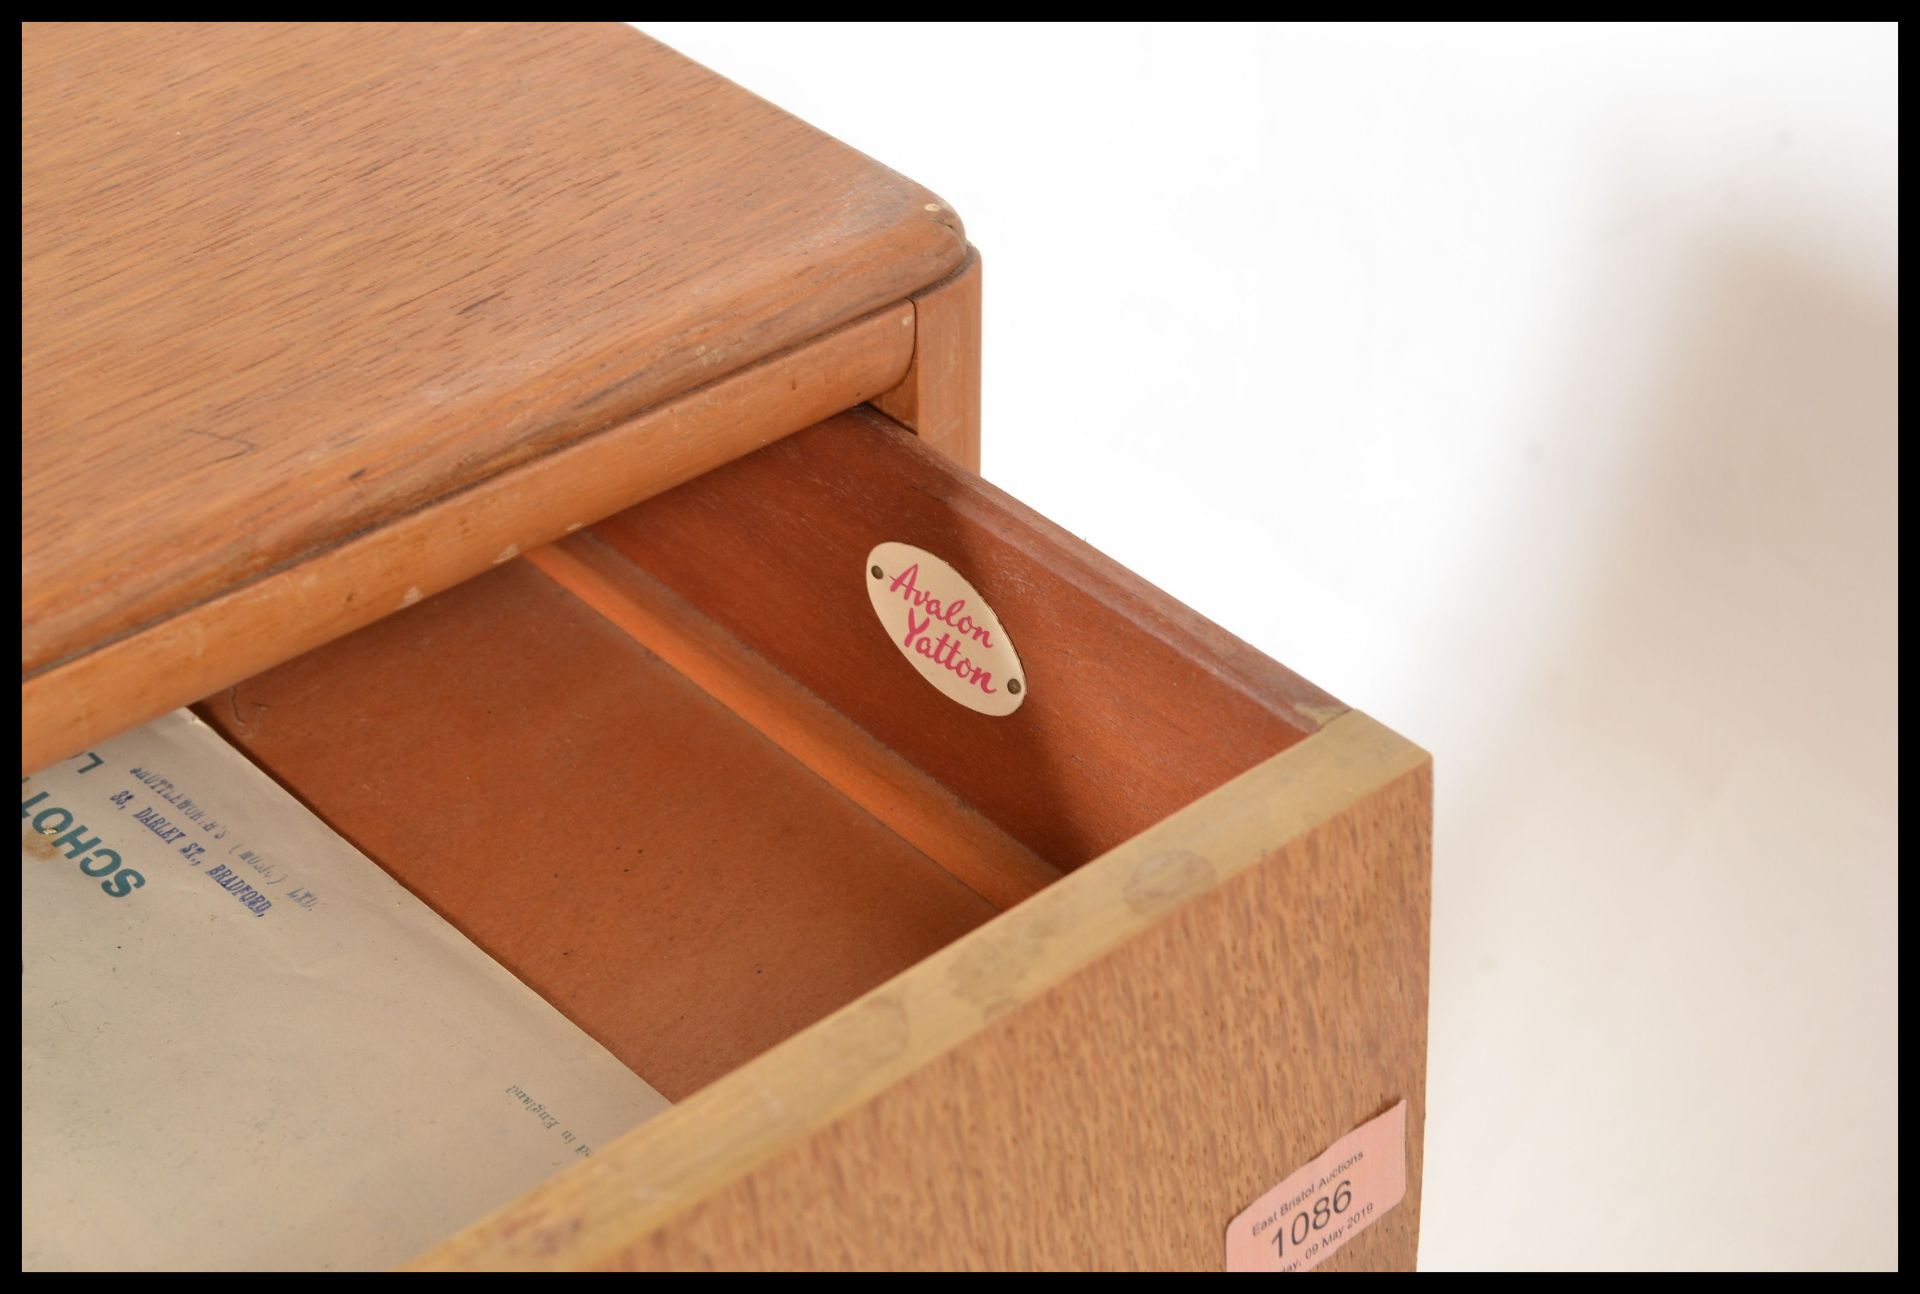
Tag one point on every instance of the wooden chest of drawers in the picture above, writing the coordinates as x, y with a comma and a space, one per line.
462, 414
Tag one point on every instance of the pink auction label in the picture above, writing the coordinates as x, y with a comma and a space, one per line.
1304, 1220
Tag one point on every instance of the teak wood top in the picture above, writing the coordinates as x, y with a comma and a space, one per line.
284, 284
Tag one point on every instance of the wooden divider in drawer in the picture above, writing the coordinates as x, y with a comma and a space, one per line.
1093, 974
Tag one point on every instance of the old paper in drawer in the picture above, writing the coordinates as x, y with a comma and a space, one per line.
245, 1046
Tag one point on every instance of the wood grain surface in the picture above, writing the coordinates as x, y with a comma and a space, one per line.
674, 883
1136, 706
939, 401
284, 283
1100, 1078
217, 643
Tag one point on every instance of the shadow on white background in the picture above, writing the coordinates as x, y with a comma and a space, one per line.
1531, 389
1665, 932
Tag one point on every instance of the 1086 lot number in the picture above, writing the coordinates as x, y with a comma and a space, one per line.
1309, 1222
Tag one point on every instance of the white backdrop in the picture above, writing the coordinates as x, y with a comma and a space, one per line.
1532, 389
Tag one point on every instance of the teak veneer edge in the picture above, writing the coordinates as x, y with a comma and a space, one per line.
939, 398
217, 643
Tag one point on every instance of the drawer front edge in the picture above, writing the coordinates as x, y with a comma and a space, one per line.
1101, 1077
219, 642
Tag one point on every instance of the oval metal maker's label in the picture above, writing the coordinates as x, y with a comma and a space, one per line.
945, 629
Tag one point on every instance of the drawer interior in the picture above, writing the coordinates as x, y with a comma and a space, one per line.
673, 775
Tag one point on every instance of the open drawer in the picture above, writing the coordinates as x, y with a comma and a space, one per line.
1069, 987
